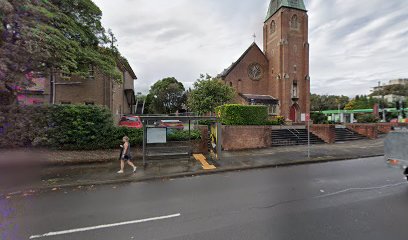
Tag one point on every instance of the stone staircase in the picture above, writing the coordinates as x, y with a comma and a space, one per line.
345, 135
290, 137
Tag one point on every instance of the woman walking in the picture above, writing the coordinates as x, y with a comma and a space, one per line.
125, 155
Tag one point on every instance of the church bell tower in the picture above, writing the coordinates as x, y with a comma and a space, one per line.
286, 46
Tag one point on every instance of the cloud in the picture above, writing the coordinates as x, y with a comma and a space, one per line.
354, 44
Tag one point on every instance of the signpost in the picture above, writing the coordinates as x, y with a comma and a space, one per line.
305, 117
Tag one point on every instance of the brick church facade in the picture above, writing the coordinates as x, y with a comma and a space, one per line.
278, 76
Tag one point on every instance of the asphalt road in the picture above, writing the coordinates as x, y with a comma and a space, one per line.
358, 199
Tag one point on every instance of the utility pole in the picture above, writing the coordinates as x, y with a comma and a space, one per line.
382, 102
400, 110
52, 86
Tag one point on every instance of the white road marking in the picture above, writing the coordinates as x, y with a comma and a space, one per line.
361, 189
104, 226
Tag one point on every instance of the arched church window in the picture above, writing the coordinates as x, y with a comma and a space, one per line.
273, 26
294, 89
294, 21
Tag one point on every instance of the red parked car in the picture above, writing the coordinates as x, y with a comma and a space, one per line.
131, 122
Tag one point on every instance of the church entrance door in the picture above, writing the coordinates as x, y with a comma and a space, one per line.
294, 113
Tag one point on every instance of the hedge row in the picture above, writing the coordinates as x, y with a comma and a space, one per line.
235, 114
74, 127
184, 135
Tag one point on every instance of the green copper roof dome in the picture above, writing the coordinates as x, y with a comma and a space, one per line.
275, 5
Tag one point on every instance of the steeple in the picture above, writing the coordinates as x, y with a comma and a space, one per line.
275, 5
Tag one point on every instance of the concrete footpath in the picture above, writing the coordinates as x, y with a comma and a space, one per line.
88, 175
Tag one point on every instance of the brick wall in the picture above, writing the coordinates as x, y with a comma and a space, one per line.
384, 127
100, 90
324, 131
287, 50
245, 137
238, 78
78, 90
402, 124
368, 130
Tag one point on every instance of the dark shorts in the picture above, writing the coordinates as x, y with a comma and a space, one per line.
126, 158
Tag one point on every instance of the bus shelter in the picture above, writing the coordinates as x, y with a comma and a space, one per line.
156, 130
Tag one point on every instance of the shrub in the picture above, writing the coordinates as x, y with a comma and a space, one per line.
277, 121
280, 120
367, 118
273, 122
80, 127
206, 122
24, 126
74, 127
235, 114
183, 135
70, 127
318, 118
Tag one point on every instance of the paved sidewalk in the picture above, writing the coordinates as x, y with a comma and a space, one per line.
105, 173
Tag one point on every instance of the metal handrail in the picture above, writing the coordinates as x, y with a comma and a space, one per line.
350, 131
290, 130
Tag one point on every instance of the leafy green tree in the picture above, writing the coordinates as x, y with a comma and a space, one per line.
166, 96
327, 102
397, 89
361, 102
318, 118
367, 118
209, 93
51, 36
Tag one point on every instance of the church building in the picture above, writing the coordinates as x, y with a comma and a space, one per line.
278, 76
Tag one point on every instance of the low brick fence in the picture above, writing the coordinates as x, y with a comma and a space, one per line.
366, 129
246, 137
324, 131
384, 127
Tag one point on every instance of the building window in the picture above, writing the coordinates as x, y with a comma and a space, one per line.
295, 90
273, 109
294, 22
91, 72
272, 27
89, 103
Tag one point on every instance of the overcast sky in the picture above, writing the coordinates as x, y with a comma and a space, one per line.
354, 44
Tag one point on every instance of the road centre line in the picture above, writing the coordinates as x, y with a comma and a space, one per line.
104, 226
